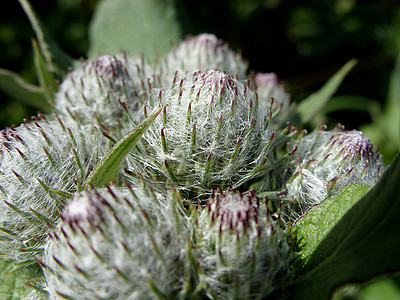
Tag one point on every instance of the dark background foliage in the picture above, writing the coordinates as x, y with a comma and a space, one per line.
304, 42
67, 21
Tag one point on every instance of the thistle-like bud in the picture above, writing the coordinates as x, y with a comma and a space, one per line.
105, 91
268, 87
327, 162
202, 52
41, 162
245, 253
213, 132
117, 244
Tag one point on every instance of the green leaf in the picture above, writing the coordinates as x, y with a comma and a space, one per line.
136, 26
108, 167
44, 75
352, 102
13, 282
26, 93
319, 221
310, 106
383, 289
56, 59
360, 243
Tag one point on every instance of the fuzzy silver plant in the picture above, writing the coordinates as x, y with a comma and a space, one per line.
41, 163
214, 132
327, 161
130, 243
179, 239
201, 52
245, 253
105, 92
117, 243
110, 91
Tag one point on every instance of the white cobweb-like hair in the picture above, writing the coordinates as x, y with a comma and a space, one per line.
213, 131
41, 162
107, 91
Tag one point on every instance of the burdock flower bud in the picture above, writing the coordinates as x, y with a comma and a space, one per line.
268, 87
202, 52
104, 91
116, 244
327, 162
213, 132
245, 254
41, 162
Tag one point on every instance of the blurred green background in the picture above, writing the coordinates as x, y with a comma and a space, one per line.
305, 42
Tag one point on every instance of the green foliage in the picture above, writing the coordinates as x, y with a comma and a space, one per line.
108, 167
309, 107
13, 281
55, 59
137, 26
386, 288
46, 78
350, 103
315, 226
49, 60
29, 94
355, 239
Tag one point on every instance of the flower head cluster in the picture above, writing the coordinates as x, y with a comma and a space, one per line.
120, 243
162, 231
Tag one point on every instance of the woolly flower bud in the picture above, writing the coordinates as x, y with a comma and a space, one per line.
329, 161
213, 130
245, 253
116, 244
40, 163
103, 90
268, 87
202, 52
